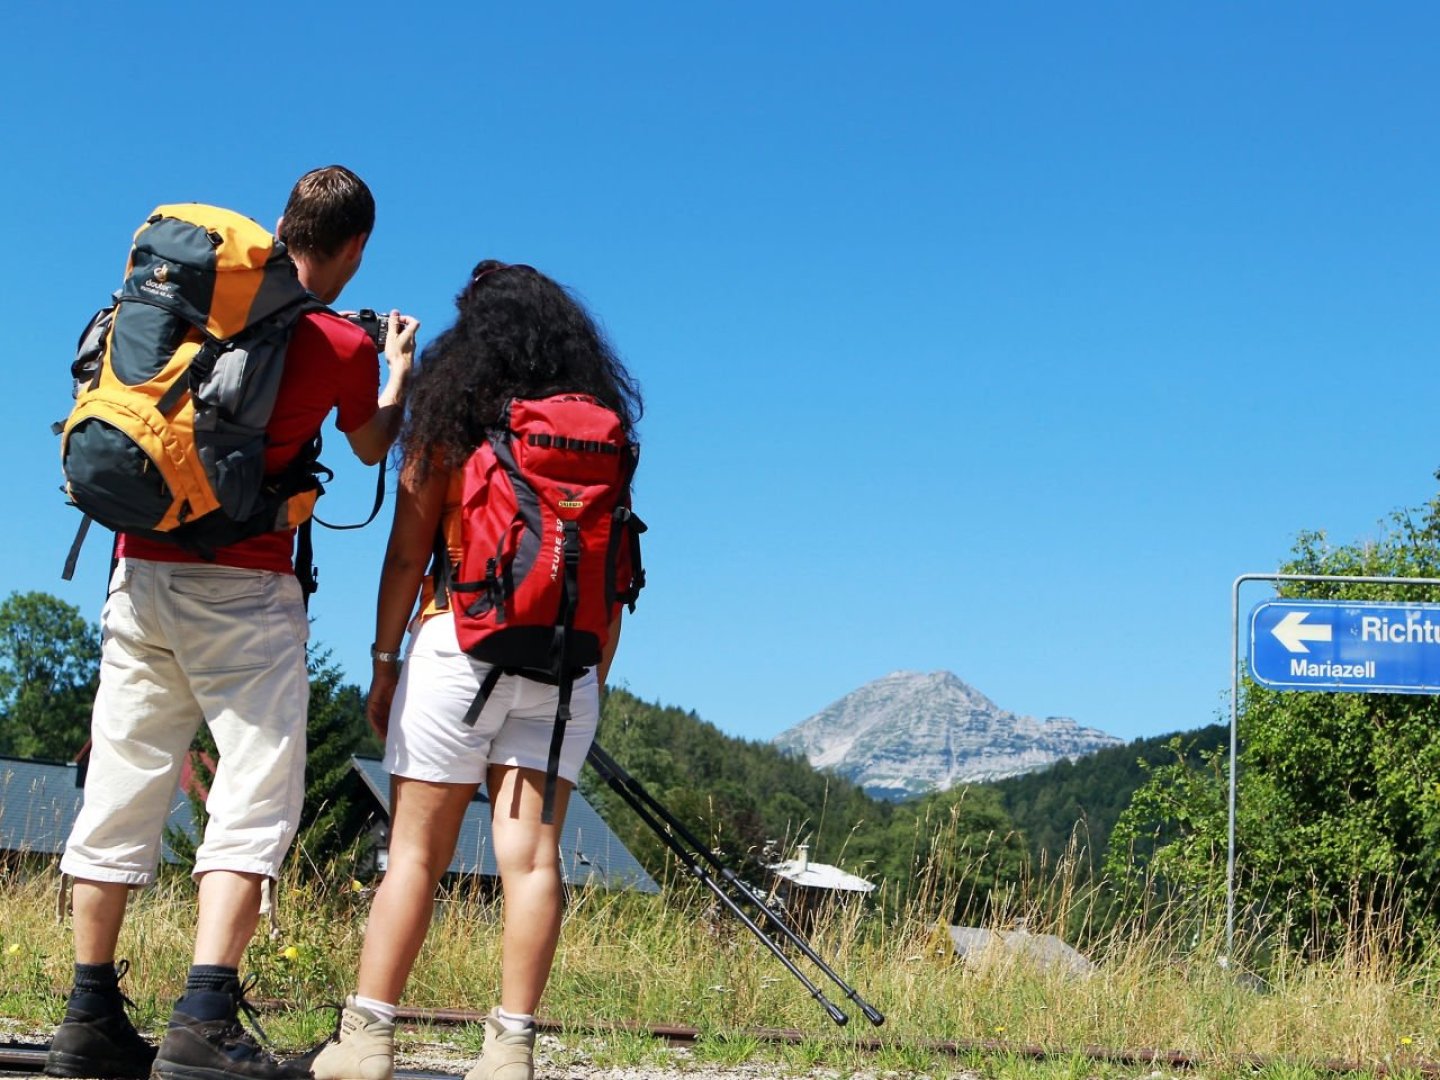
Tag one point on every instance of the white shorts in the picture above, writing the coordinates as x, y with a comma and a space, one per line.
429, 739
182, 643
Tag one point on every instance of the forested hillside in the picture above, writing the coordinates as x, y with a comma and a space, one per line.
753, 802
746, 798
749, 800
1086, 797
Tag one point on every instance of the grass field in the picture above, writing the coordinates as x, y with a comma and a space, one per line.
678, 959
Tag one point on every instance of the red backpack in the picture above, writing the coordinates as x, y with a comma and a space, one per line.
549, 548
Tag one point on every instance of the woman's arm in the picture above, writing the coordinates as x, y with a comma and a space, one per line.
608, 654
412, 542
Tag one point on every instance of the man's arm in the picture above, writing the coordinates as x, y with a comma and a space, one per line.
372, 439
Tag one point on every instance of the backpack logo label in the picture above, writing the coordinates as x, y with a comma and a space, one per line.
570, 502
557, 554
160, 283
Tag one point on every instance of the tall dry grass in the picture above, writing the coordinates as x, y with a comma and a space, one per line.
1159, 981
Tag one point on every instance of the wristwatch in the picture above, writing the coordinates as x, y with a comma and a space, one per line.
383, 656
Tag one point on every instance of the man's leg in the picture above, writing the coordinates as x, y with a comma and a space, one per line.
229, 913
143, 723
96, 1037
240, 637
98, 909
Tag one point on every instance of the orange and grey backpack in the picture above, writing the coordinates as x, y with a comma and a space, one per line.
175, 382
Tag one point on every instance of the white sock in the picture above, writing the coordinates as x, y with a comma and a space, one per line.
514, 1021
381, 1010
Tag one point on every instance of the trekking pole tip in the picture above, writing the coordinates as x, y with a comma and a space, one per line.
874, 1015
834, 1011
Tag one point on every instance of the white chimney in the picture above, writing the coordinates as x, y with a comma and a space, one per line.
802, 857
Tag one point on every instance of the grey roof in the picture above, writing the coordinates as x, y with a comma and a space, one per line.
39, 801
590, 853
1043, 950
813, 875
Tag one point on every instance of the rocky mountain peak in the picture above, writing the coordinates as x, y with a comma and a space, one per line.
910, 732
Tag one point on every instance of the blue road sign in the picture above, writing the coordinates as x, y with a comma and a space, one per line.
1347, 646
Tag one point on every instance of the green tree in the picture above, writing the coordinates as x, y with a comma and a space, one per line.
335, 807
963, 853
752, 804
333, 817
747, 800
1071, 807
1338, 814
49, 668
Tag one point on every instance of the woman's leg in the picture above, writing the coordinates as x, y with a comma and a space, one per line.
425, 822
528, 854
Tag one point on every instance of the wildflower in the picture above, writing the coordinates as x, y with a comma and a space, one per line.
14, 948
355, 886
999, 1029
290, 952
1405, 1040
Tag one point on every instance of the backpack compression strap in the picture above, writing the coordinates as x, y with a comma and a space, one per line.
569, 601
625, 521
487, 687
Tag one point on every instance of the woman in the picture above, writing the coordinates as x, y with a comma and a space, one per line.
517, 335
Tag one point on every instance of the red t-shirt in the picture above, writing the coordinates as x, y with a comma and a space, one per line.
331, 364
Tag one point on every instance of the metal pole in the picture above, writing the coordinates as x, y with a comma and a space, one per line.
607, 766
602, 762
1343, 579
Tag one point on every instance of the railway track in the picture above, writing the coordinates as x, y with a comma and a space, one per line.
26, 1059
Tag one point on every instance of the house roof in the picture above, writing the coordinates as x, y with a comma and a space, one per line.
39, 801
590, 853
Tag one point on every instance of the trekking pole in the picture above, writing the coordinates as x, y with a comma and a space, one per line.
598, 752
606, 767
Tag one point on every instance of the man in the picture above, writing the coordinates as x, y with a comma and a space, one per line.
187, 639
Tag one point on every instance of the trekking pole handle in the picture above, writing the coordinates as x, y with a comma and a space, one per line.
874, 1015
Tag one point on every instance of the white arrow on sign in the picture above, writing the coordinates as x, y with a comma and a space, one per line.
1292, 631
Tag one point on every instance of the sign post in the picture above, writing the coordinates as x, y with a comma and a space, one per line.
1329, 645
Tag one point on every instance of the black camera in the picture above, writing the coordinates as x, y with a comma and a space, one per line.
375, 324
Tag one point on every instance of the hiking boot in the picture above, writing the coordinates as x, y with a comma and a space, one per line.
104, 1045
220, 1049
507, 1055
97, 1039
362, 1049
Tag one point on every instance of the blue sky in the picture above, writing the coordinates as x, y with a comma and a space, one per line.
993, 338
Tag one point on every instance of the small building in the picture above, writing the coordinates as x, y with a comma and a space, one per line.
39, 801
1044, 951
802, 887
590, 853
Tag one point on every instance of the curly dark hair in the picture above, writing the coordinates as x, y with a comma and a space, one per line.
517, 334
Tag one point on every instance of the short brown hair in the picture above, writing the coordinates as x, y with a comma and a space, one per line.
327, 208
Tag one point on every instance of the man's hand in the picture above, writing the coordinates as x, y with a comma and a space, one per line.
400, 342
371, 441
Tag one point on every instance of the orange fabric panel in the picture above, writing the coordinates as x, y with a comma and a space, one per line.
240, 261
